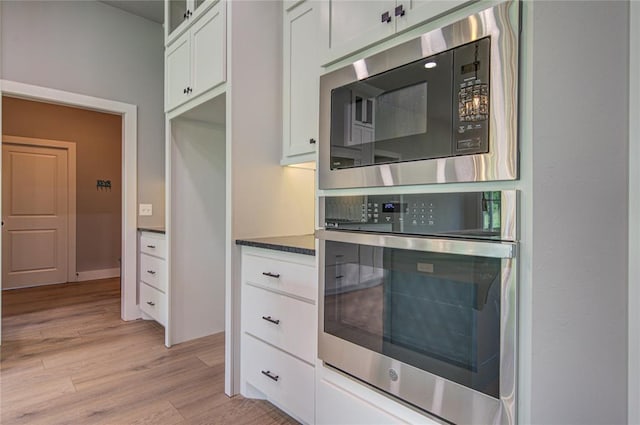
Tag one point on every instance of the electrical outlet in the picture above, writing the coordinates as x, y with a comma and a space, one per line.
145, 209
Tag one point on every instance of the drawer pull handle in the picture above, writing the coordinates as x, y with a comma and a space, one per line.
269, 319
151, 246
339, 277
151, 272
274, 275
151, 303
270, 375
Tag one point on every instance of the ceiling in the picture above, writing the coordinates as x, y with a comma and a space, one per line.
149, 9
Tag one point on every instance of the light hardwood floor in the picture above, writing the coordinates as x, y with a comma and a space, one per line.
67, 358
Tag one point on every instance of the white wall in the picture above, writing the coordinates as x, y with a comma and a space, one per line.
91, 48
197, 234
634, 213
580, 77
268, 200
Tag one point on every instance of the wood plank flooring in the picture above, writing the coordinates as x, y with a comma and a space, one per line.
67, 358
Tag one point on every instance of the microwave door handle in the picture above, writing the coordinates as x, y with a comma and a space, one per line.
439, 245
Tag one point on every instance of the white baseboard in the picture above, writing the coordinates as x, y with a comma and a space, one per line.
98, 274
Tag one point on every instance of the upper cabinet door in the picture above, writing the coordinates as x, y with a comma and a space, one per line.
420, 11
177, 72
181, 14
300, 80
356, 24
177, 14
208, 50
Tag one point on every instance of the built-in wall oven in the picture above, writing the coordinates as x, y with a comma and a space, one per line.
418, 298
439, 108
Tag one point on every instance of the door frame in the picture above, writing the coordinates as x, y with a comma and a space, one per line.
70, 147
128, 112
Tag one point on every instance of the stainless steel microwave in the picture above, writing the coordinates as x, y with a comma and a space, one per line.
439, 108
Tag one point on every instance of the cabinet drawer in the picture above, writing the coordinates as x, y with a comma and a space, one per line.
153, 303
153, 245
152, 271
281, 275
285, 380
294, 329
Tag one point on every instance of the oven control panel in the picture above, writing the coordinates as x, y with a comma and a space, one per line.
467, 214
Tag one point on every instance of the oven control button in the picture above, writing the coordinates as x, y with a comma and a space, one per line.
393, 375
414, 222
388, 218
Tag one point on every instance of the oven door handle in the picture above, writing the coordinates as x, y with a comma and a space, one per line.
413, 243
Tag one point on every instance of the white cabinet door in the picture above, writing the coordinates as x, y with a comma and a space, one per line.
285, 380
356, 24
300, 81
419, 11
338, 407
177, 72
208, 51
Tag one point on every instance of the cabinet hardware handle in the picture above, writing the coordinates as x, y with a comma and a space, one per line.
274, 275
151, 303
269, 375
269, 319
189, 13
189, 90
184, 91
399, 11
151, 246
386, 17
312, 141
151, 272
339, 277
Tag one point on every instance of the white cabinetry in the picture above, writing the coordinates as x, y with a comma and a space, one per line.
301, 69
179, 14
195, 62
344, 401
351, 25
152, 276
279, 328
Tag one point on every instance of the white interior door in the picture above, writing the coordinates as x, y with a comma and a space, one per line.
35, 216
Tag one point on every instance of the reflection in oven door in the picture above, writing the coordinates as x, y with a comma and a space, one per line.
442, 315
437, 312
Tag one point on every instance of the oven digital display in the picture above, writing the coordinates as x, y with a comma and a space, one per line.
393, 207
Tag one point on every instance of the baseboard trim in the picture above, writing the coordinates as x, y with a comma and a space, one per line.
98, 274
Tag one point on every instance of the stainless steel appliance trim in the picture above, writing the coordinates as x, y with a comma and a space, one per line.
501, 163
436, 395
509, 199
445, 246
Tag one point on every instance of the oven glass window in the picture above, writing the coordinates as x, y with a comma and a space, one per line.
437, 312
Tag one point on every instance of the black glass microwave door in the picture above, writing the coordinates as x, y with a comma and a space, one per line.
437, 312
404, 114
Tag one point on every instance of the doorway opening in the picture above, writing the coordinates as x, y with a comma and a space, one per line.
123, 240
62, 202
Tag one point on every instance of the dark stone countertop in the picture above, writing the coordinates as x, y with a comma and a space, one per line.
157, 229
300, 244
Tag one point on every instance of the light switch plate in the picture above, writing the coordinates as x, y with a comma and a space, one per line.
145, 209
